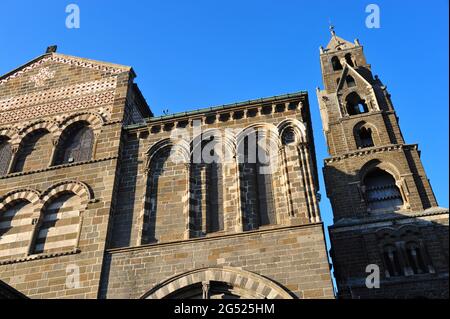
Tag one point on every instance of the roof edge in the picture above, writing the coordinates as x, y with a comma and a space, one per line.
34, 60
3, 76
220, 107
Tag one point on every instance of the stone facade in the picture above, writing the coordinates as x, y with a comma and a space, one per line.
178, 217
54, 215
99, 199
385, 212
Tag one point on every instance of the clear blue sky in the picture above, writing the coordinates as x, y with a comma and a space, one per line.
193, 54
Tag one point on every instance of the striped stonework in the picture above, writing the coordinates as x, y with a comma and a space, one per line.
16, 229
245, 283
60, 224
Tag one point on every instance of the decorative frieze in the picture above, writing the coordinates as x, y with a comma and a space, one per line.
66, 92
43, 75
66, 60
38, 111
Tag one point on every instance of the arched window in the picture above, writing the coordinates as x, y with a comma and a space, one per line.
364, 138
265, 191
289, 136
382, 194
348, 59
392, 261
35, 151
5, 155
153, 200
355, 105
336, 63
206, 185
415, 258
59, 227
350, 81
166, 201
214, 195
256, 185
15, 228
76, 144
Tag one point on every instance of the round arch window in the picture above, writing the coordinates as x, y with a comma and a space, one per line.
382, 193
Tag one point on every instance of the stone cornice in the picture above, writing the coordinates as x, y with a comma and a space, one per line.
39, 256
371, 150
220, 110
346, 118
58, 167
344, 223
213, 238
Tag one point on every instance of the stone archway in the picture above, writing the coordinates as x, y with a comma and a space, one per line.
218, 283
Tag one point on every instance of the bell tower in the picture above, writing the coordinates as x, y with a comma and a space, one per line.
385, 211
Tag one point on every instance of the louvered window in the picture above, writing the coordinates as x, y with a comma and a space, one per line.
381, 191
365, 137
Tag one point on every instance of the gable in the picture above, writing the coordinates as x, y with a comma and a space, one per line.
55, 83
360, 81
52, 71
337, 43
44, 60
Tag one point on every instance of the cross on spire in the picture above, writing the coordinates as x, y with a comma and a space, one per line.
333, 33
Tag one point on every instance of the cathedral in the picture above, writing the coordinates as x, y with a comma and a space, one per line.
101, 199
